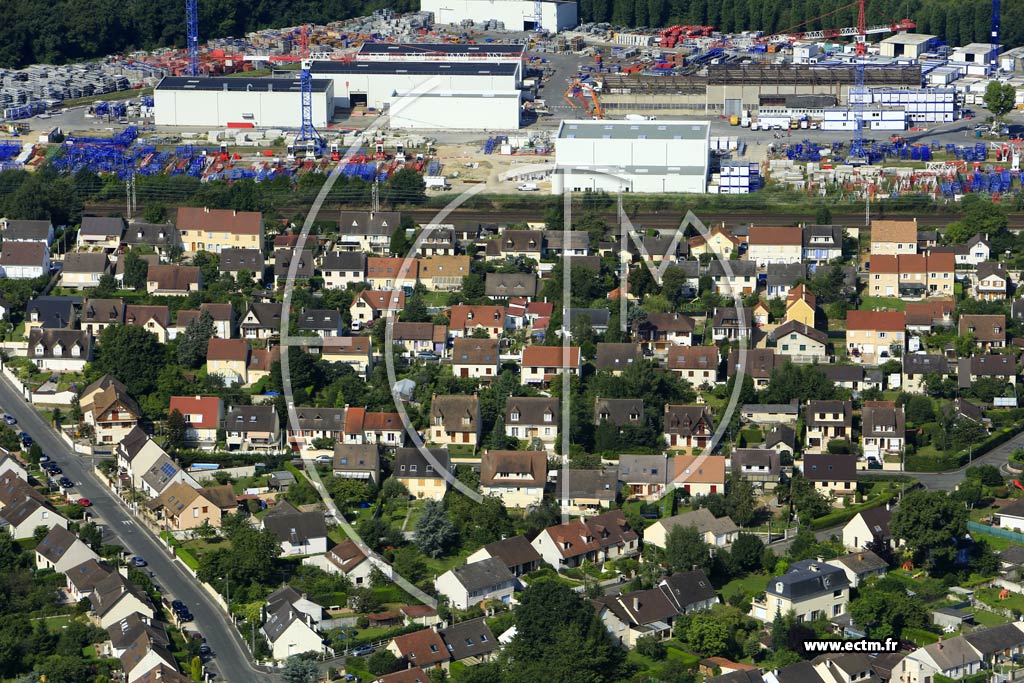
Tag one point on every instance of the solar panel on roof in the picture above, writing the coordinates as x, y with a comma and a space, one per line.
168, 469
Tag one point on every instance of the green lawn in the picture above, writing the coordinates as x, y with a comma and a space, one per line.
869, 303
56, 623
751, 585
990, 596
986, 618
439, 565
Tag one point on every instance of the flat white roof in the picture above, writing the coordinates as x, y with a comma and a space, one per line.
634, 130
908, 38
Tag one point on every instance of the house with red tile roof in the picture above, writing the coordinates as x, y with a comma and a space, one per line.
542, 363
424, 649
203, 417
872, 336
596, 540
775, 245
371, 305
464, 320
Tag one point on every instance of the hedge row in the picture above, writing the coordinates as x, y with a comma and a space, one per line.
954, 461
846, 514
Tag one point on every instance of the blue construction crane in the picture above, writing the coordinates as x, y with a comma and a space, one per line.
993, 60
308, 135
192, 35
858, 93
538, 15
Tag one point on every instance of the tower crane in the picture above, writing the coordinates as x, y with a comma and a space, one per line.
993, 60
192, 36
858, 31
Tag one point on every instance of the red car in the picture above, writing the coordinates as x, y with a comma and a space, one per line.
85, 502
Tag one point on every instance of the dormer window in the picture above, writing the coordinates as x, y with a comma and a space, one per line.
58, 350
40, 350
778, 586
76, 351
548, 416
514, 416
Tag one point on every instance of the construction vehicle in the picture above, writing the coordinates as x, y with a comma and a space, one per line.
734, 120
577, 92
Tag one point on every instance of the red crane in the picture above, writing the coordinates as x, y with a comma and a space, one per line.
858, 32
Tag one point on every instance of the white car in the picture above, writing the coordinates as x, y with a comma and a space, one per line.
528, 187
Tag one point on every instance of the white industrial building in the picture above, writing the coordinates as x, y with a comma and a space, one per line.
516, 15
907, 45
973, 59
211, 102
440, 52
632, 156
873, 118
931, 105
455, 110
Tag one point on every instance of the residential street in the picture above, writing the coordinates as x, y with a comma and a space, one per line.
231, 659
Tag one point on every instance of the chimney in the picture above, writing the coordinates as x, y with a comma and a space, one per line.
636, 603
206, 209
940, 642
860, 557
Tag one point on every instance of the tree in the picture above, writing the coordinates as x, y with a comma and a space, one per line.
1000, 98
987, 475
155, 212
400, 244
406, 186
196, 669
931, 523
300, 670
382, 662
435, 534
409, 564
63, 669
958, 232
740, 502
823, 215
746, 552
919, 409
195, 340
415, 310
105, 287
685, 549
176, 430
131, 354
91, 535
708, 636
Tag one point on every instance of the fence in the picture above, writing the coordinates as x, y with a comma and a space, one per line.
995, 531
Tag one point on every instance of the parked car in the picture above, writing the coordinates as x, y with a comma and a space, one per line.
139, 561
9, 419
324, 459
85, 502
363, 651
428, 355
177, 605
65, 483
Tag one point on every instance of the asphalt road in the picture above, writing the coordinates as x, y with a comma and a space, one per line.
231, 659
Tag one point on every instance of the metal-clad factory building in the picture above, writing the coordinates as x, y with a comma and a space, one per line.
517, 15
440, 52
211, 102
455, 110
632, 156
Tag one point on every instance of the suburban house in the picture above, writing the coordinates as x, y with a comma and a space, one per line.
698, 365
26, 231
574, 243
109, 410
50, 312
930, 314
718, 242
182, 508
860, 566
387, 273
261, 321
291, 632
464, 320
357, 461
60, 550
418, 338
800, 343
288, 264
615, 358
475, 358
781, 277
988, 331
687, 427
646, 476
370, 306
135, 455
771, 413
60, 350
917, 366
356, 352
732, 323
424, 478
444, 273
252, 429
203, 415
163, 473
229, 359
518, 556
658, 332
299, 533
822, 243
652, 613
893, 237
342, 268
963, 656
758, 365
760, 466
22, 518
421, 649
455, 420
435, 241
374, 428
620, 412
698, 475
875, 336
173, 280
810, 589
532, 417
595, 539
205, 229
470, 642
801, 306
999, 366
870, 526
347, 559
99, 314
324, 323
717, 532
517, 243
310, 424
83, 578
883, 430
82, 270
154, 319
733, 278
992, 281
99, 232
115, 598
516, 477
367, 231
472, 583
774, 245
24, 260
834, 476
503, 286
587, 492
236, 260
541, 364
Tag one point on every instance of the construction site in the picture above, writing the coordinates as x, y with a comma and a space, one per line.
465, 105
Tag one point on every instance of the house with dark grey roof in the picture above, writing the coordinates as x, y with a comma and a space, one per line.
760, 466
810, 589
285, 259
342, 268
827, 421
965, 655
782, 276
455, 420
917, 366
290, 632
24, 260
616, 357
868, 527
115, 597
597, 317
771, 413
883, 430
98, 232
645, 476
299, 533
470, 642
261, 321
324, 322
573, 242
860, 566
587, 492
22, 518
619, 411
800, 343
531, 418
163, 238
516, 552
419, 474
502, 286
235, 260
26, 231
60, 350
631, 616
60, 550
357, 461
822, 243
475, 582
832, 475
253, 428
